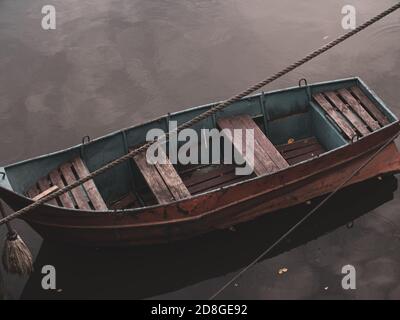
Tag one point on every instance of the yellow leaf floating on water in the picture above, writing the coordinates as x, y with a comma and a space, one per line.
290, 141
282, 270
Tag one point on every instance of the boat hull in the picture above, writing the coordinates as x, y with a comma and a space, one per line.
218, 209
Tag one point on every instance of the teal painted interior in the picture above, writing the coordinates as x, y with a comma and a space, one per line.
116, 182
22, 176
282, 115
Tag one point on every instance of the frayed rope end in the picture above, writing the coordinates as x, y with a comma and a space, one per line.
17, 258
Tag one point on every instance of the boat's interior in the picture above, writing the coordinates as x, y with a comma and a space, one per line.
290, 126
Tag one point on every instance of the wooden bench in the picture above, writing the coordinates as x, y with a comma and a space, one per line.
267, 158
352, 111
85, 197
162, 179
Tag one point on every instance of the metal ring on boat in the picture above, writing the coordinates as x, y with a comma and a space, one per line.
85, 140
305, 82
354, 138
3, 175
308, 90
350, 225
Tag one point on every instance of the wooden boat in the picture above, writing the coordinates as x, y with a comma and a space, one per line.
131, 279
308, 140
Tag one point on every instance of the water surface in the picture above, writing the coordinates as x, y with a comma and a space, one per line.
115, 63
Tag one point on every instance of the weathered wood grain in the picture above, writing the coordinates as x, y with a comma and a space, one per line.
335, 116
44, 184
370, 106
65, 198
79, 196
358, 108
91, 189
347, 112
267, 158
162, 179
45, 194
127, 202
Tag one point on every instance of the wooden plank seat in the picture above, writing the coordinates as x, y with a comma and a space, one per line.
267, 158
162, 179
352, 111
301, 150
85, 197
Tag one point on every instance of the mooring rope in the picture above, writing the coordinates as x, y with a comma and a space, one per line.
202, 116
308, 215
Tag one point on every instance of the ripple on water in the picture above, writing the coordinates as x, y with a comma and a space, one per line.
388, 29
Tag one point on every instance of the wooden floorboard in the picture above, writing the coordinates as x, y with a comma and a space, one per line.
79, 196
127, 202
45, 184
335, 115
297, 144
370, 106
46, 193
211, 176
189, 168
65, 198
85, 197
347, 112
33, 191
358, 108
204, 175
300, 151
217, 182
91, 189
306, 156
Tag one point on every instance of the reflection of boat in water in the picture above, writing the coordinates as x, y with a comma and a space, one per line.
304, 146
144, 272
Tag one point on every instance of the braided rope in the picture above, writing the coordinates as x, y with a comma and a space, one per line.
202, 116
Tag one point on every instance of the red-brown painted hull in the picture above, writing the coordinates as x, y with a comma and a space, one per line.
219, 209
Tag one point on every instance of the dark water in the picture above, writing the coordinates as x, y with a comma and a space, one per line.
111, 64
